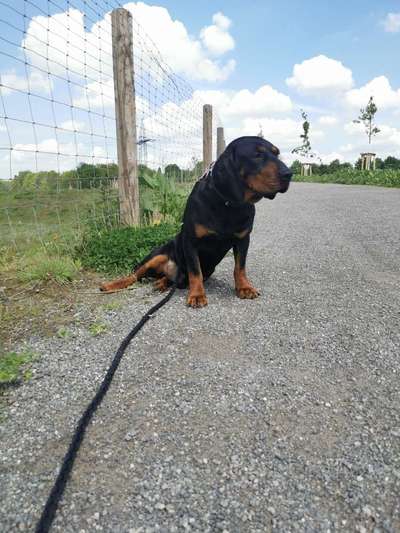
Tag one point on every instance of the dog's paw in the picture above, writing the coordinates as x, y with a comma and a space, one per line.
161, 284
199, 300
107, 287
248, 293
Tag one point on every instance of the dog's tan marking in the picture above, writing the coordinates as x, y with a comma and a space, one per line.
202, 231
266, 181
170, 269
241, 234
197, 294
155, 263
244, 289
118, 284
161, 284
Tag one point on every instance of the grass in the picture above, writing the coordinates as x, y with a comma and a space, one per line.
380, 178
31, 218
118, 250
63, 333
112, 306
97, 328
12, 365
41, 267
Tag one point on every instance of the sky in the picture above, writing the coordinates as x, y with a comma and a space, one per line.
258, 62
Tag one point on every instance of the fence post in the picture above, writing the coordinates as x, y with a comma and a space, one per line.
220, 141
207, 136
125, 113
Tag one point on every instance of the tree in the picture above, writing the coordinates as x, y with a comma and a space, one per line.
172, 170
367, 117
391, 163
305, 148
296, 167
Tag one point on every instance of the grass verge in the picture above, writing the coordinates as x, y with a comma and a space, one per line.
380, 178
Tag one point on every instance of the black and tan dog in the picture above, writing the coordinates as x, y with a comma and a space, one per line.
219, 216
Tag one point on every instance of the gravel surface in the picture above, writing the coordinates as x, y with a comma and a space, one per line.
275, 414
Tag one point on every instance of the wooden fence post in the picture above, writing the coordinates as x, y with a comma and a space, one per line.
220, 141
207, 136
125, 113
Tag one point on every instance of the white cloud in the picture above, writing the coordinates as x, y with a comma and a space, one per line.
35, 81
354, 128
320, 73
380, 89
391, 23
329, 157
183, 53
346, 148
73, 125
216, 38
96, 95
327, 120
233, 105
388, 137
283, 132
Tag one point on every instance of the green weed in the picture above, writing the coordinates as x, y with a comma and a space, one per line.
97, 328
11, 366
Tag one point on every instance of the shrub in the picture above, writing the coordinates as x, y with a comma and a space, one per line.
118, 250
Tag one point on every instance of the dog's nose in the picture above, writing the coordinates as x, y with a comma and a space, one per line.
287, 174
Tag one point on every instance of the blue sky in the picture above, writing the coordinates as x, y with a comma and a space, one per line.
272, 36
258, 62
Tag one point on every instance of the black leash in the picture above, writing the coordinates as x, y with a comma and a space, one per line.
57, 491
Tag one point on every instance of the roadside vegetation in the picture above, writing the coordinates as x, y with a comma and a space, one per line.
387, 173
61, 233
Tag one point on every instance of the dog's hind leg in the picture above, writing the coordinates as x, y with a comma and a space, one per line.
153, 266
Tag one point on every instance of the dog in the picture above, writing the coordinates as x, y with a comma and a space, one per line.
218, 216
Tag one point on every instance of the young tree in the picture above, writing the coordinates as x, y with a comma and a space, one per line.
305, 148
367, 117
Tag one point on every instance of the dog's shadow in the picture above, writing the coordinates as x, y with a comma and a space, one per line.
219, 287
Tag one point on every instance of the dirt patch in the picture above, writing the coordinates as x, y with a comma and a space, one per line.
49, 308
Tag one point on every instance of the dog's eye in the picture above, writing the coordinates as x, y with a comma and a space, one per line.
275, 150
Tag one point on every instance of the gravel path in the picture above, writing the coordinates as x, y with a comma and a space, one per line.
278, 414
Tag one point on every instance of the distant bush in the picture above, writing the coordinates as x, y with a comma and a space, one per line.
383, 178
117, 251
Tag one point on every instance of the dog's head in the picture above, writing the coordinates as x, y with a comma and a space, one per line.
254, 164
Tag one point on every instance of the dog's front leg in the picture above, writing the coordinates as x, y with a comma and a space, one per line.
243, 287
197, 294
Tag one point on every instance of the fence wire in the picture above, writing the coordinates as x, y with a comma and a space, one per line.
58, 155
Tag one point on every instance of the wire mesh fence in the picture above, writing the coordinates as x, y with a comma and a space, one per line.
58, 146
